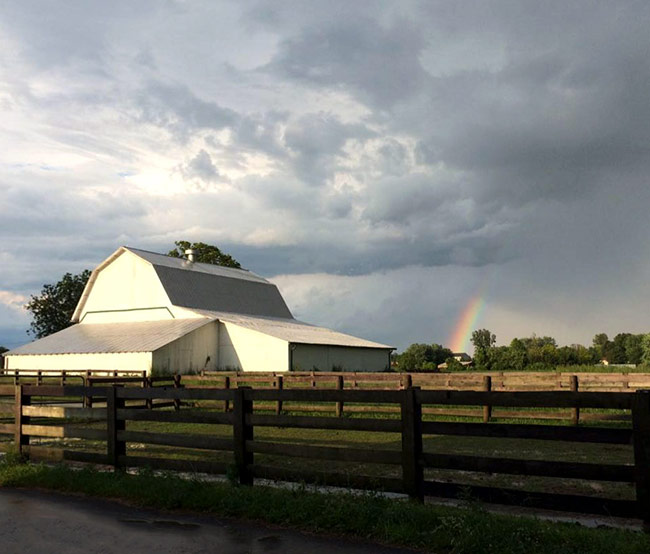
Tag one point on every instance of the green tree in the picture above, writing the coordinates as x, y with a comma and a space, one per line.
3, 350
567, 355
416, 356
53, 308
518, 356
616, 352
645, 344
498, 358
634, 349
600, 342
483, 341
440, 354
204, 253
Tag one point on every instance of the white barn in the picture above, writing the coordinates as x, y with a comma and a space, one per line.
142, 311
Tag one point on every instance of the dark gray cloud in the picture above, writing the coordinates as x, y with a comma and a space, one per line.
176, 108
315, 140
426, 151
201, 167
379, 62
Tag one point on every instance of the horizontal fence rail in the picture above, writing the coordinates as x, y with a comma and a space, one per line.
466, 380
107, 435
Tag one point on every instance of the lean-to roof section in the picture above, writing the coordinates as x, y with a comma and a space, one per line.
294, 331
139, 336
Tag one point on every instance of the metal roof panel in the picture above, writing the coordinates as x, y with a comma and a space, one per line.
294, 331
87, 338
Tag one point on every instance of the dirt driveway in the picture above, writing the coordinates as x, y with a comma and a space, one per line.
44, 522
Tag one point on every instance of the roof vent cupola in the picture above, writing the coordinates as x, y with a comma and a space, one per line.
190, 254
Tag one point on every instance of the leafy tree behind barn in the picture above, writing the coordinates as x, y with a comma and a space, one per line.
53, 308
204, 253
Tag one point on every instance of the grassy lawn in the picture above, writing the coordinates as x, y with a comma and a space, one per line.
429, 528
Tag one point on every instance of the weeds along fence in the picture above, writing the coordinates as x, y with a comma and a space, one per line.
201, 437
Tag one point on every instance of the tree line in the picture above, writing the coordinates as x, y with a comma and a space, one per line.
529, 353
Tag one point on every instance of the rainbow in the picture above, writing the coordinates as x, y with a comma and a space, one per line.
460, 338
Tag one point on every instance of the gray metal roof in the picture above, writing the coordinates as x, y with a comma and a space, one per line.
294, 331
161, 260
192, 289
87, 338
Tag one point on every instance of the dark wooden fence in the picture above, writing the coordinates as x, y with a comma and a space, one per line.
478, 381
463, 380
63, 377
111, 443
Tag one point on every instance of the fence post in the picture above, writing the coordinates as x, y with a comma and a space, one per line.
641, 437
63, 378
575, 417
407, 382
114, 447
16, 377
19, 419
242, 432
226, 385
412, 469
177, 385
39, 377
88, 399
487, 409
148, 383
339, 404
279, 385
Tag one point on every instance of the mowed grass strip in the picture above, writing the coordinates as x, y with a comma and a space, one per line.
368, 517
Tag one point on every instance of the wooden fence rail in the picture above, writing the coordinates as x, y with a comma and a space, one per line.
411, 458
478, 381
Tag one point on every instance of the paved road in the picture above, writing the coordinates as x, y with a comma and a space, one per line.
39, 522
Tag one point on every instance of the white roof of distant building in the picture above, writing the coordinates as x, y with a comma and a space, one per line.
138, 336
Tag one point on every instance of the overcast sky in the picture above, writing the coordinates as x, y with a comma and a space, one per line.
382, 162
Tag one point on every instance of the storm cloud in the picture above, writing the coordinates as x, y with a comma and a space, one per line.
382, 162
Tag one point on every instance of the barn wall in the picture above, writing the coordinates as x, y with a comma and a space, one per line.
128, 283
248, 350
188, 354
127, 361
308, 357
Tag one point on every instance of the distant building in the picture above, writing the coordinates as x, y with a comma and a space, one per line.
462, 357
142, 311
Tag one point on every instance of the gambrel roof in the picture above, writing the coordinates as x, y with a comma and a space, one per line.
204, 286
